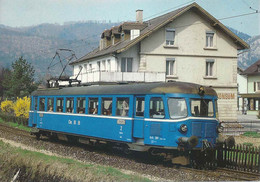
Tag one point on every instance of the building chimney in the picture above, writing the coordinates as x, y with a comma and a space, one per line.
139, 16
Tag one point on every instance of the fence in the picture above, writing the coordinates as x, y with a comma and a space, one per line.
239, 157
237, 128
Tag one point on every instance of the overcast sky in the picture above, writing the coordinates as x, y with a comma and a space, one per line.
17, 13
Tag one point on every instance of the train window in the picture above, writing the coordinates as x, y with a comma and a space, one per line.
93, 106
156, 108
35, 103
177, 108
106, 108
139, 111
42, 104
122, 106
70, 104
202, 108
60, 103
31, 104
216, 108
50, 104
81, 105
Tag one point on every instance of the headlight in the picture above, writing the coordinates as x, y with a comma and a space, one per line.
220, 128
183, 128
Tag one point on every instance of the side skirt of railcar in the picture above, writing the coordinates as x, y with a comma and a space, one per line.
172, 154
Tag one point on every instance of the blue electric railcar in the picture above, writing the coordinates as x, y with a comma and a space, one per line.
173, 117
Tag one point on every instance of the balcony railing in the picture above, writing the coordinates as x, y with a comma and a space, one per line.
100, 76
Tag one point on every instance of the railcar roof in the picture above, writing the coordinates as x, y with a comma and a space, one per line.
145, 88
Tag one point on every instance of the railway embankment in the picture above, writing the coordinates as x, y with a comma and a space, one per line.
138, 165
19, 164
27, 159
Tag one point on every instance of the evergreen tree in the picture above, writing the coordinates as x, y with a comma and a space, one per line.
4, 73
21, 80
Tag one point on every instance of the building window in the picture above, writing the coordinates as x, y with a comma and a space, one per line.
170, 64
86, 68
98, 66
104, 65
108, 65
256, 86
258, 68
90, 67
209, 67
126, 64
170, 36
209, 39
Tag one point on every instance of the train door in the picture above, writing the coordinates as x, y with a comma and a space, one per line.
139, 104
35, 107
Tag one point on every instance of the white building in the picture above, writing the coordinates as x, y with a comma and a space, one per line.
242, 89
251, 97
187, 44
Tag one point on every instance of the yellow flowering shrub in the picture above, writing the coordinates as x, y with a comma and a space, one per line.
7, 106
22, 107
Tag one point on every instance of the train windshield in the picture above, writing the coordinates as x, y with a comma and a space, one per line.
177, 108
202, 108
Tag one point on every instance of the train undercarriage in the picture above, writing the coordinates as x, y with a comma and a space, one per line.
183, 155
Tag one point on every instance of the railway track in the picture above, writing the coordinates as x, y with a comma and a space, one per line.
17, 131
222, 174
239, 175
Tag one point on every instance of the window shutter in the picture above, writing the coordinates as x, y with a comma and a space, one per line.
167, 67
170, 34
254, 86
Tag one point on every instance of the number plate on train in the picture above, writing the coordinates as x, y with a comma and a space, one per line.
121, 121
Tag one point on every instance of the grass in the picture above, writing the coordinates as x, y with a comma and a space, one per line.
15, 125
35, 166
252, 134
